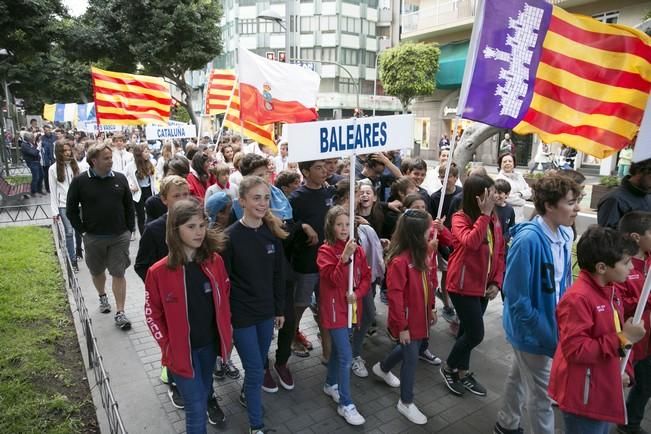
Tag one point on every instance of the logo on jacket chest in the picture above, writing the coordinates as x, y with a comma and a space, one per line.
271, 249
600, 308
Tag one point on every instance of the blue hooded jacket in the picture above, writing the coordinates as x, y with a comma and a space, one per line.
529, 317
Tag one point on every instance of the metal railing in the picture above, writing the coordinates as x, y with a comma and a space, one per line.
95, 362
34, 212
444, 12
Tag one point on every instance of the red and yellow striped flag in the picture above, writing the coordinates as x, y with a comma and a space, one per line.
566, 77
129, 99
222, 83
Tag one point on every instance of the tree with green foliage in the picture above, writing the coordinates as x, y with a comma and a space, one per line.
409, 70
164, 38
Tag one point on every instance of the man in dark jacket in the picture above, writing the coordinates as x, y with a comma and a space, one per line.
634, 194
32, 157
47, 152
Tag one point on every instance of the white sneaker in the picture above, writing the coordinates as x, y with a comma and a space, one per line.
388, 377
332, 391
359, 367
411, 412
351, 414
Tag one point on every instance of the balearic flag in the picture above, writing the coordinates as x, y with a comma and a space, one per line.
128, 99
222, 84
272, 91
60, 112
535, 68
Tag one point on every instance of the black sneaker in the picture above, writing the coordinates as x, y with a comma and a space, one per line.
242, 398
473, 385
215, 413
231, 371
219, 372
449, 314
175, 397
452, 381
499, 429
627, 429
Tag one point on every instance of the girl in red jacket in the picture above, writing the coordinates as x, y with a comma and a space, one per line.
410, 290
333, 260
187, 307
475, 272
200, 179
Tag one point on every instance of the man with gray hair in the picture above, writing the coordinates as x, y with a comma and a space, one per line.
106, 222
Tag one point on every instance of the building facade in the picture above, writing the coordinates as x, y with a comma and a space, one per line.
322, 33
450, 23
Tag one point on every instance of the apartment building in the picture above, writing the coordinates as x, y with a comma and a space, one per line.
450, 23
322, 33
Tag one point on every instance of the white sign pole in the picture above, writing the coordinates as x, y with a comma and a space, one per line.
638, 315
642, 149
351, 235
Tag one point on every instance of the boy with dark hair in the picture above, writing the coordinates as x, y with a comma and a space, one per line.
585, 377
503, 210
448, 192
288, 182
633, 194
636, 226
538, 271
416, 169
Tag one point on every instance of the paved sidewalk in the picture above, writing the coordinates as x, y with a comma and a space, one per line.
132, 361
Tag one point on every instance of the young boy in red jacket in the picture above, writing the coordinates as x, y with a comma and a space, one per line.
585, 379
636, 225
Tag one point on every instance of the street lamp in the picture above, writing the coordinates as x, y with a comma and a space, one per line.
274, 16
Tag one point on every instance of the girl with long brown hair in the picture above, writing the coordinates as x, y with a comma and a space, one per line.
60, 175
140, 174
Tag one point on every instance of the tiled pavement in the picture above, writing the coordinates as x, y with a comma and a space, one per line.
132, 361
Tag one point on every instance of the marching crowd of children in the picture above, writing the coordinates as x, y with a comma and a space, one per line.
235, 244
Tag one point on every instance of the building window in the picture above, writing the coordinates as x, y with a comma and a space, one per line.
328, 54
372, 3
247, 2
349, 56
347, 85
370, 59
350, 25
421, 132
246, 27
607, 17
328, 23
308, 24
371, 28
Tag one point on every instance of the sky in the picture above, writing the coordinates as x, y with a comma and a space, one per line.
76, 7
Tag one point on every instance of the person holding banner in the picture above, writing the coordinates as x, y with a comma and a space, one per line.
636, 225
333, 260
586, 380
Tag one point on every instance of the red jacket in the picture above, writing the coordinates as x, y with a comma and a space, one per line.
198, 188
630, 292
166, 311
408, 309
585, 378
333, 284
472, 267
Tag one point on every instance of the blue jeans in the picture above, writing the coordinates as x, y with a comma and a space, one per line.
582, 425
409, 355
341, 359
37, 176
252, 345
195, 390
70, 235
368, 316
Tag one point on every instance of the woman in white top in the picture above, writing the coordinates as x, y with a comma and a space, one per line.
60, 175
520, 190
165, 155
140, 174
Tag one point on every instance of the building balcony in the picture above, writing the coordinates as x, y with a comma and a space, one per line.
384, 17
438, 17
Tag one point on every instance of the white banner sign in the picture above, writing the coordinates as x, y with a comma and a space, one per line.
91, 127
158, 132
643, 144
339, 138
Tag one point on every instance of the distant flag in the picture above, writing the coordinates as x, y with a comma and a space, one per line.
535, 68
60, 112
86, 112
221, 85
276, 92
129, 99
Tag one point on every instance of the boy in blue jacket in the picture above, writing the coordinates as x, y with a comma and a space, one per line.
538, 271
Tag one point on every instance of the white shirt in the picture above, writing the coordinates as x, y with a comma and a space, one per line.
556, 245
59, 190
121, 160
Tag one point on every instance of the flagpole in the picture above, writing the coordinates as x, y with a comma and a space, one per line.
641, 304
447, 169
228, 107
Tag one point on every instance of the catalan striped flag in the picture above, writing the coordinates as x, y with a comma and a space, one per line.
221, 85
536, 68
129, 99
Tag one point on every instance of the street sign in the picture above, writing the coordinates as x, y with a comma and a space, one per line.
307, 65
344, 137
158, 132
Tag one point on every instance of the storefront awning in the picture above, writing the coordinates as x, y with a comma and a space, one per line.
451, 65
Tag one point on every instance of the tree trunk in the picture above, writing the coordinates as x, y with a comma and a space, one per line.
472, 137
188, 106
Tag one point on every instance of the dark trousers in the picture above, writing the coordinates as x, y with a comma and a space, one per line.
286, 333
408, 354
140, 208
37, 176
46, 178
640, 393
470, 310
